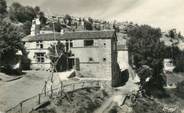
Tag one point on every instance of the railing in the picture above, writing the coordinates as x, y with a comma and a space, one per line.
27, 105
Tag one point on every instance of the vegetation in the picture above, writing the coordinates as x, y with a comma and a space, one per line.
10, 43
11, 33
42, 18
81, 101
68, 20
174, 52
3, 8
179, 63
174, 35
19, 13
56, 26
147, 54
177, 55
58, 55
88, 24
25, 15
146, 50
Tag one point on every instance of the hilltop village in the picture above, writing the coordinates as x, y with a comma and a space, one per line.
68, 64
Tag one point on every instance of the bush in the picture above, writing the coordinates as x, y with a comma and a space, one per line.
180, 87
179, 63
25, 63
10, 71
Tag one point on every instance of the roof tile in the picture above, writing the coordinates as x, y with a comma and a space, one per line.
71, 36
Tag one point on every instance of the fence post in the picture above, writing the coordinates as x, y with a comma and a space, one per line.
61, 87
61, 83
21, 107
39, 95
51, 91
52, 75
45, 88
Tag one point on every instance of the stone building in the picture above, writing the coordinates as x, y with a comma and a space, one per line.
94, 53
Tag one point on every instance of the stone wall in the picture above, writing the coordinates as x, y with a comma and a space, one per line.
100, 53
32, 49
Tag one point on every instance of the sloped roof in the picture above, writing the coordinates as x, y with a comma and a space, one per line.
71, 36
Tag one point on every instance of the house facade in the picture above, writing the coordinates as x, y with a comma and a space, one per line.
94, 53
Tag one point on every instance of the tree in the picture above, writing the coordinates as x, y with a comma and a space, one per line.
42, 18
13, 9
68, 20
146, 49
25, 15
10, 43
41, 15
27, 27
88, 25
90, 20
56, 26
3, 8
58, 55
20, 13
37, 10
172, 33
179, 62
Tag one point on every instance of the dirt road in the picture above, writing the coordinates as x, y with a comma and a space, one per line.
11, 93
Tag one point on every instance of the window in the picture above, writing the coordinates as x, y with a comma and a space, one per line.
90, 59
71, 43
39, 44
68, 44
88, 42
40, 57
104, 59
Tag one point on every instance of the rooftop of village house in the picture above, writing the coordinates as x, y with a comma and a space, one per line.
106, 34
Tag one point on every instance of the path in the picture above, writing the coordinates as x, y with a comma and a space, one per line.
11, 93
120, 93
118, 96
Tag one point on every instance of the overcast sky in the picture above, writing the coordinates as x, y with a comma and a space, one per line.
166, 14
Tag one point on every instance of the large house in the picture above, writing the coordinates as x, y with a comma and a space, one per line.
94, 53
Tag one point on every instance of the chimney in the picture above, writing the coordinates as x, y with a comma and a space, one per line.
35, 28
62, 31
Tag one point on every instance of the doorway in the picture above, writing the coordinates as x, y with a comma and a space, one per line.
73, 63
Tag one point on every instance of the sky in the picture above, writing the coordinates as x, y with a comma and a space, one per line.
166, 14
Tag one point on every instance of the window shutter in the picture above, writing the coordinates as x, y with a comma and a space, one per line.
77, 64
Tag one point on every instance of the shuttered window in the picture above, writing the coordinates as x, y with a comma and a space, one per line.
88, 42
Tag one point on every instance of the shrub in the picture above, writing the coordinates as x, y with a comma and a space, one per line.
25, 63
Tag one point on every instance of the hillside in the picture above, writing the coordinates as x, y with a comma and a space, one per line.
167, 16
